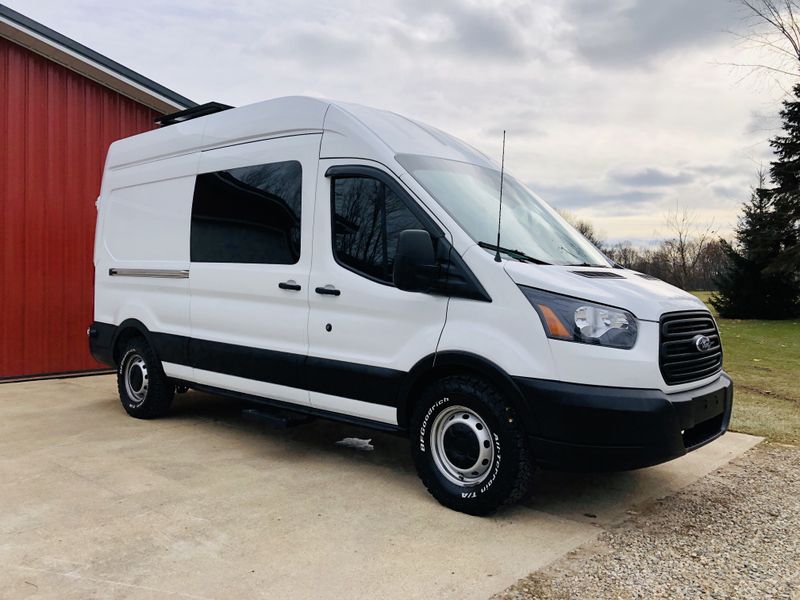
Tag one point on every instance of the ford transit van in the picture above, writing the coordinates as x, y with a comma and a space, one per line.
340, 261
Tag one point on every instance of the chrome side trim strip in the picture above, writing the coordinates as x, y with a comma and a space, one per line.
164, 273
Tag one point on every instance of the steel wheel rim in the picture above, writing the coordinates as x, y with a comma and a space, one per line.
137, 381
461, 446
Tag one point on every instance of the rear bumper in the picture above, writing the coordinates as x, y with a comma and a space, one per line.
592, 428
101, 342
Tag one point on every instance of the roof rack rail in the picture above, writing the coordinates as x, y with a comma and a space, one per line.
201, 110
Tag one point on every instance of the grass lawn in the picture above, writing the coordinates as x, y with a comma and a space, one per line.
763, 358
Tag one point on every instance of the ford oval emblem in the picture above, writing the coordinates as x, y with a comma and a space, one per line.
702, 343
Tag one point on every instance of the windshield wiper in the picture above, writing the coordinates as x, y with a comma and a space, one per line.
512, 253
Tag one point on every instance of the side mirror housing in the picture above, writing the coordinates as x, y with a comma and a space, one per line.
415, 268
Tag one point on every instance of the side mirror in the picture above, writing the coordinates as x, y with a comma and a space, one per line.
415, 268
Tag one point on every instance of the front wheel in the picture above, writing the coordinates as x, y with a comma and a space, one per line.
469, 448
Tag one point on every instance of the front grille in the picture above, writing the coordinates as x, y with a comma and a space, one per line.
679, 358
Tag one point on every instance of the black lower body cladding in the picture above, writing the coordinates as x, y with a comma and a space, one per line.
570, 426
357, 381
595, 428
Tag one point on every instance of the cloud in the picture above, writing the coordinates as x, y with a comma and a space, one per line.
636, 242
314, 43
632, 34
615, 107
727, 191
651, 177
424, 31
765, 124
717, 169
480, 29
577, 197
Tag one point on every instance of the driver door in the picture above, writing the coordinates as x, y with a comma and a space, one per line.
364, 333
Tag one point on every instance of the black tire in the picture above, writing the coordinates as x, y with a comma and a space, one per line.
150, 392
478, 409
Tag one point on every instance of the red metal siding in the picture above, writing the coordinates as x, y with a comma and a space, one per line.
55, 129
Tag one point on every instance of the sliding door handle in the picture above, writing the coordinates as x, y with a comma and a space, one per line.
289, 285
328, 290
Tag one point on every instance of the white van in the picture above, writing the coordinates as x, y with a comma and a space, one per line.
340, 261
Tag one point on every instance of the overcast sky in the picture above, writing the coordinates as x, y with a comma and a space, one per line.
615, 109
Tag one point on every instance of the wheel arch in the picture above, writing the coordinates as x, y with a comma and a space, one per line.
126, 330
443, 364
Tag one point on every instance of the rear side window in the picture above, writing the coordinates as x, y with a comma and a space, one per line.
368, 219
248, 215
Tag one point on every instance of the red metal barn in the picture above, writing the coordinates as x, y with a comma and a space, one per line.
61, 105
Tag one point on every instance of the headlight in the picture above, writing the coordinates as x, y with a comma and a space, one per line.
576, 320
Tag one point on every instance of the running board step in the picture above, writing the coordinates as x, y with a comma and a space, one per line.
276, 418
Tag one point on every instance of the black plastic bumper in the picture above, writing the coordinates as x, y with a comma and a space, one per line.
592, 428
101, 340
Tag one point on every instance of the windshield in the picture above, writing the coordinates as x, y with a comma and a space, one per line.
470, 194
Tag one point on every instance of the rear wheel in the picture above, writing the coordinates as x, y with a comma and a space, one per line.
144, 389
469, 448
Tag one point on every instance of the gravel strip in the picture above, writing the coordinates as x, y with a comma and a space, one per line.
732, 534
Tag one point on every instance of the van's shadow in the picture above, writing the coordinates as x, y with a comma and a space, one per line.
319, 436
591, 497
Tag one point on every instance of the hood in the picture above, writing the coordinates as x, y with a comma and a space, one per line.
646, 297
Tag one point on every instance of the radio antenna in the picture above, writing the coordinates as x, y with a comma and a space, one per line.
500, 211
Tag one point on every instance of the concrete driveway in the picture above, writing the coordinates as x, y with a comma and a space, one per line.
204, 504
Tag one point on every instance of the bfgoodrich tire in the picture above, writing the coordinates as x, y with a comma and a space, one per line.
144, 389
468, 446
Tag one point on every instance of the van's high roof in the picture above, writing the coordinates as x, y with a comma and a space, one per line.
351, 130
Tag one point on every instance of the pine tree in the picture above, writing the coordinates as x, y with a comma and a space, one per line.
760, 281
785, 193
763, 279
749, 288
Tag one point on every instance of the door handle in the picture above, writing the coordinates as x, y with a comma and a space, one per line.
328, 290
289, 285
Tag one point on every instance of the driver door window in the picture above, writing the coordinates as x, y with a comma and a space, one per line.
367, 220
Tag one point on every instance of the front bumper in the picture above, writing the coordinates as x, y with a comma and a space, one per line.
593, 428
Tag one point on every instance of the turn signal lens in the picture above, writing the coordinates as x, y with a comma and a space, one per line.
554, 325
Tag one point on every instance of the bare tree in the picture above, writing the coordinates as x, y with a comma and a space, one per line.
584, 227
774, 27
625, 254
690, 256
660, 261
687, 243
